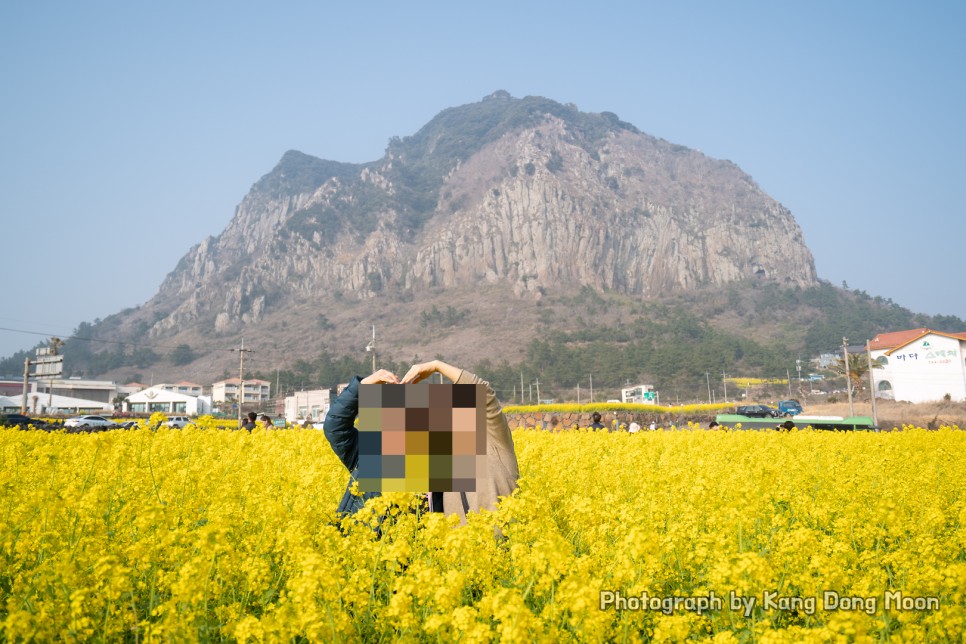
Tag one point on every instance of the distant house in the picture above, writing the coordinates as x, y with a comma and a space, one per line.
100, 390
157, 398
831, 360
11, 387
127, 389
184, 387
47, 403
639, 394
255, 391
308, 405
86, 396
919, 365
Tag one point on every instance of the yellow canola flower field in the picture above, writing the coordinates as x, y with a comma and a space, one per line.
203, 534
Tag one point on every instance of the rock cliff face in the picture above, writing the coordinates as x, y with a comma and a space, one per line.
524, 197
553, 199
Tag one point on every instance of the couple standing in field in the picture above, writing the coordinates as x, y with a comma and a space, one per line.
502, 471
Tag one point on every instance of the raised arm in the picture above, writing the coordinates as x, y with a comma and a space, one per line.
422, 371
339, 425
339, 428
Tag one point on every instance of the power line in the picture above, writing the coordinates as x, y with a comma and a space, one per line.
116, 342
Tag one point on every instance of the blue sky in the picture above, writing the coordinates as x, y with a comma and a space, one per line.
129, 132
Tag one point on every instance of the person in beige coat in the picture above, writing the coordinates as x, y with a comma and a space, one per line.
501, 457
502, 469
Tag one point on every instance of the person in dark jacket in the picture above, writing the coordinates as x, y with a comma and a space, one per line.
502, 468
249, 424
596, 425
343, 436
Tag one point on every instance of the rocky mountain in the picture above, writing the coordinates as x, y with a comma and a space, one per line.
485, 211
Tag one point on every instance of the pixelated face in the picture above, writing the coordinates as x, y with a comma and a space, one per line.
421, 438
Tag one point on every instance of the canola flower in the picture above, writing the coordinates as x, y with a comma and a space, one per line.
746, 383
202, 534
573, 408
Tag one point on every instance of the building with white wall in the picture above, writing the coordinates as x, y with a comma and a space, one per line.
639, 394
157, 398
919, 365
308, 405
183, 387
100, 390
253, 391
49, 404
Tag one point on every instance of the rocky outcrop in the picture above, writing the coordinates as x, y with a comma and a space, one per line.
637, 220
551, 203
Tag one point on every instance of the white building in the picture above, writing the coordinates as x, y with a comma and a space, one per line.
919, 365
254, 391
639, 394
48, 404
184, 387
308, 405
158, 398
100, 390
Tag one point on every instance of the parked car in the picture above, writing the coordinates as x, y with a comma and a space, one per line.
89, 421
18, 420
758, 411
789, 407
177, 422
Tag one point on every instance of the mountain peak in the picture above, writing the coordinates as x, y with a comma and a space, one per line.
500, 201
297, 172
458, 132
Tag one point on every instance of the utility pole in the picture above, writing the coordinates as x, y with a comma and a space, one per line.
538, 390
55, 343
521, 387
848, 373
875, 417
578, 393
798, 368
724, 381
788, 377
591, 388
241, 375
707, 375
26, 379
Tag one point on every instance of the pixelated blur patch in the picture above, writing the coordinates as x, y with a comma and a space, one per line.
421, 438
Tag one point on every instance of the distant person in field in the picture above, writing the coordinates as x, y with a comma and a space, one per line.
596, 424
634, 427
249, 424
501, 455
